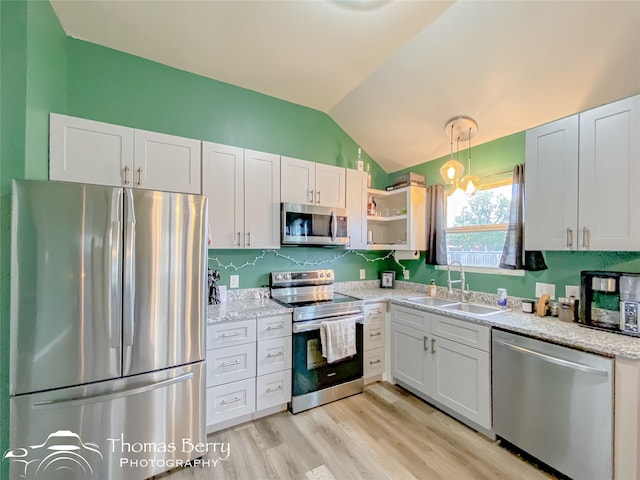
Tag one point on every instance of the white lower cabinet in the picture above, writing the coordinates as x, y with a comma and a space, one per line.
231, 400
248, 369
375, 316
445, 360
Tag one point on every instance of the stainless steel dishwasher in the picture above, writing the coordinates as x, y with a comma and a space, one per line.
555, 403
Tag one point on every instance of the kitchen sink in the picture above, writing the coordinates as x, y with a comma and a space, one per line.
473, 308
431, 301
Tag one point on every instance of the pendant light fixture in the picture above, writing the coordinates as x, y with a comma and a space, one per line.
470, 183
451, 170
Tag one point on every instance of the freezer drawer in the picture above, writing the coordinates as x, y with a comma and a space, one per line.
114, 429
555, 403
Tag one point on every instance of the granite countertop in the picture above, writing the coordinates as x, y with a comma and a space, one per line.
514, 320
239, 309
253, 303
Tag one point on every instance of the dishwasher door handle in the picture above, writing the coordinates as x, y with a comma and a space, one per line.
558, 361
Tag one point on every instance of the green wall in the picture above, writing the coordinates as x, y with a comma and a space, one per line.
32, 83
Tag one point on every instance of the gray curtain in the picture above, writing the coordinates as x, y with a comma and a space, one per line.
514, 256
436, 237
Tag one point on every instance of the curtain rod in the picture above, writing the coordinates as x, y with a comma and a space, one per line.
498, 173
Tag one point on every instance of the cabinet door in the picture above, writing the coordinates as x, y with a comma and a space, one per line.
330, 185
357, 205
262, 200
85, 151
167, 163
409, 356
609, 176
223, 184
461, 379
551, 186
298, 181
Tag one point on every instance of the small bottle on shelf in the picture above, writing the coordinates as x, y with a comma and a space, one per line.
360, 162
368, 176
371, 207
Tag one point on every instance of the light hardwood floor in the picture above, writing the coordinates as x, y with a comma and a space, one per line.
384, 433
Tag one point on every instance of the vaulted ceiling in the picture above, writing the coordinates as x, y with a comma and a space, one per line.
390, 73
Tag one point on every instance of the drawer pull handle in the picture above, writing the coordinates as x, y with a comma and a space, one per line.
376, 362
237, 333
277, 389
279, 327
233, 400
274, 355
372, 313
377, 334
230, 364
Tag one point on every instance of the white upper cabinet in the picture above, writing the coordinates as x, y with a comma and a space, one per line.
261, 199
609, 175
243, 187
87, 151
357, 206
551, 186
581, 177
166, 162
223, 185
310, 183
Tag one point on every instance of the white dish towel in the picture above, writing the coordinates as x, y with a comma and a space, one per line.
338, 339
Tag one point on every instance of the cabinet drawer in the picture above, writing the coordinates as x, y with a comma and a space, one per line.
411, 317
227, 334
274, 327
231, 400
274, 355
273, 389
374, 334
467, 333
373, 362
231, 364
375, 311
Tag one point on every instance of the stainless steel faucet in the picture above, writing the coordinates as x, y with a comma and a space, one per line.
464, 292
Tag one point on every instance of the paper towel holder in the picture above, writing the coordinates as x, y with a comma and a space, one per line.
406, 254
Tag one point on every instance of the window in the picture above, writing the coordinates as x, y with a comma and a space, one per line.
477, 224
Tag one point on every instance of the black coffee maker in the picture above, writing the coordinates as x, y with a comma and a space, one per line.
600, 299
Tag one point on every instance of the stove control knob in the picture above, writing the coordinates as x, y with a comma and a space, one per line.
328, 274
321, 275
278, 276
287, 276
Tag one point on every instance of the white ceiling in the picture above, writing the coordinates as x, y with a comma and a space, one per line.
390, 73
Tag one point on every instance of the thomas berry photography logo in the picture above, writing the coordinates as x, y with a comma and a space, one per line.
63, 455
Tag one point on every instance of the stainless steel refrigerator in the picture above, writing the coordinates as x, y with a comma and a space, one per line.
107, 331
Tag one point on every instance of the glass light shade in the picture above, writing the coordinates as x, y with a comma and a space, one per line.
470, 184
451, 171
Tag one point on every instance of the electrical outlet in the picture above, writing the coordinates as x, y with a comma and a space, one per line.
363, 274
548, 288
405, 274
572, 290
234, 281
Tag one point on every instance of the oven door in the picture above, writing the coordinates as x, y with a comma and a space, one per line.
311, 372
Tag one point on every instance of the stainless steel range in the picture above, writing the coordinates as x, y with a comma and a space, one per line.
312, 297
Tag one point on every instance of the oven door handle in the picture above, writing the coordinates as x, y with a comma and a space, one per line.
315, 324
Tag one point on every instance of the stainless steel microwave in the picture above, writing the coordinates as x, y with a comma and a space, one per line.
314, 225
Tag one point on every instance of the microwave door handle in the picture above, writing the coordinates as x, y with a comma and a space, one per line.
334, 224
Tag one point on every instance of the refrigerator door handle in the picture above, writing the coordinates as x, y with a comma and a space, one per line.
112, 257
118, 394
129, 269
